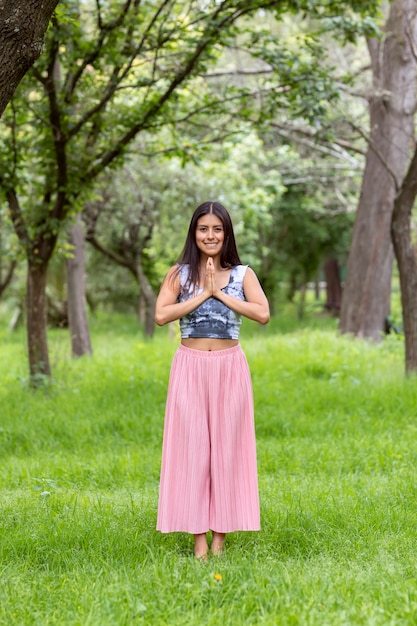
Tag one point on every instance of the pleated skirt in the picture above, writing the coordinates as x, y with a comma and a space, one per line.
209, 471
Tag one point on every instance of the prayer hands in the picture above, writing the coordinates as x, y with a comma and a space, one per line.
210, 282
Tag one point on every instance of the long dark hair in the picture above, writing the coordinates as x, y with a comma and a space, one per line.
191, 254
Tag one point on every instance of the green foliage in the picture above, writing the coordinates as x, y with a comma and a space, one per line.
112, 73
79, 484
284, 233
307, 233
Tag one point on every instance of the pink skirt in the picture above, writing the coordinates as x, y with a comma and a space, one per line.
209, 474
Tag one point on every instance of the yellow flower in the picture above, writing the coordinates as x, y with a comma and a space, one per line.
218, 577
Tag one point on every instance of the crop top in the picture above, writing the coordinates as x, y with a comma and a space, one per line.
212, 319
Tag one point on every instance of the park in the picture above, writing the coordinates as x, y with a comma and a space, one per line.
118, 118
336, 428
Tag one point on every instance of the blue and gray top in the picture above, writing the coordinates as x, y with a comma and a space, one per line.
212, 319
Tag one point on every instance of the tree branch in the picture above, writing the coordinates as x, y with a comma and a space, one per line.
215, 25
58, 133
306, 137
7, 279
110, 254
378, 153
17, 217
116, 76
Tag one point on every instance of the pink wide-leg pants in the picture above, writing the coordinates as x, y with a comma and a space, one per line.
209, 473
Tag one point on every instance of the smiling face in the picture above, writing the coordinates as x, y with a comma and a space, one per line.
209, 235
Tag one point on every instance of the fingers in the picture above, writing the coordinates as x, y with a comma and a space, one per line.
210, 276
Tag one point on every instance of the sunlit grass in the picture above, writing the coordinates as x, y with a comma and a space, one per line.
79, 470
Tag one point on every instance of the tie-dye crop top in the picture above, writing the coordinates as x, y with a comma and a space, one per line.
212, 319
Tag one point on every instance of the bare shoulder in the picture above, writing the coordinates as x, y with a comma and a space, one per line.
250, 277
173, 273
171, 281
254, 292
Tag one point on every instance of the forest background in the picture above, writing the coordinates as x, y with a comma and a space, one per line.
299, 117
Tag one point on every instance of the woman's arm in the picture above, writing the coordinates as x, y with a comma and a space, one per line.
255, 307
167, 308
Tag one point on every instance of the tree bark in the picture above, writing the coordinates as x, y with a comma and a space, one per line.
36, 320
302, 301
23, 24
141, 309
77, 308
407, 262
5, 282
333, 286
367, 290
150, 300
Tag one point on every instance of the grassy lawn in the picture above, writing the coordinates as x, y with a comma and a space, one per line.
79, 468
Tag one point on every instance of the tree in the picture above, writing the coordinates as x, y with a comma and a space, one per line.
305, 232
132, 218
392, 105
23, 24
77, 316
331, 271
407, 261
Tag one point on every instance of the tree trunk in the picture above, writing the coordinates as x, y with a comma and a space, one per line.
23, 24
77, 309
150, 300
302, 301
317, 287
36, 321
407, 263
141, 308
333, 286
367, 290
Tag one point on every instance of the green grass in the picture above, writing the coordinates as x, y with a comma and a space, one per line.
79, 468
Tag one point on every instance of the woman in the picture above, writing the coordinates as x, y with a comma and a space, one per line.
209, 474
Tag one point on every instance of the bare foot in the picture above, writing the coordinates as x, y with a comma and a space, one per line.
201, 547
218, 543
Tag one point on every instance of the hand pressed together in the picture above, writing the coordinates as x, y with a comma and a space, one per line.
210, 286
